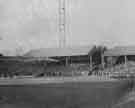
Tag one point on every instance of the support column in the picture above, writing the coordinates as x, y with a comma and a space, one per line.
70, 61
91, 64
112, 67
66, 61
102, 60
125, 60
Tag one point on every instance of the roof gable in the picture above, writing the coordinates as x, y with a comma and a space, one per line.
120, 50
54, 52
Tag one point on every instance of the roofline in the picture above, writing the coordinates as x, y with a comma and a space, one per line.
69, 51
27, 59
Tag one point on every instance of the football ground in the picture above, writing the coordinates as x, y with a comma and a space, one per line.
71, 92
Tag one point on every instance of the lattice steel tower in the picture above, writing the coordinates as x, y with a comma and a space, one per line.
62, 23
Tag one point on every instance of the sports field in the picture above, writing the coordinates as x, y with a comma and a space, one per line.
80, 92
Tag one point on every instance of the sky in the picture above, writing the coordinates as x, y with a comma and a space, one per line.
31, 24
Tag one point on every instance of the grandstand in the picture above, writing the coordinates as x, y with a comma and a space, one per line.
124, 65
47, 62
72, 61
16, 65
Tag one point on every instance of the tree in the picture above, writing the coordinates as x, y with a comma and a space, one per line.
91, 53
95, 55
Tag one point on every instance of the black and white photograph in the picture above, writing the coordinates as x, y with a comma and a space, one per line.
67, 53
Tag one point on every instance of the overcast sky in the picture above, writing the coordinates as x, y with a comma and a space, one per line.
34, 23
